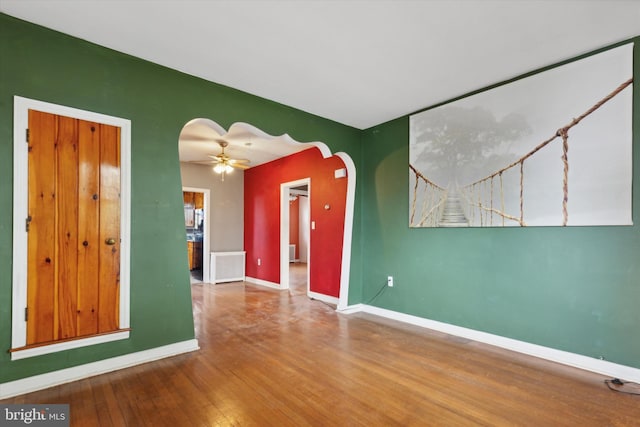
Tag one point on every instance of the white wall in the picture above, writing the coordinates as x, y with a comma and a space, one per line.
303, 228
227, 204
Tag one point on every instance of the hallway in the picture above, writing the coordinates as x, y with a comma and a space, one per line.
298, 278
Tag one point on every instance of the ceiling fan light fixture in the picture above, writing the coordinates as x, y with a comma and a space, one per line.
224, 164
223, 169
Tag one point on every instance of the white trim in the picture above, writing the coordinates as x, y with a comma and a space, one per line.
63, 376
602, 367
20, 208
347, 237
21, 107
206, 241
351, 309
261, 282
323, 298
68, 345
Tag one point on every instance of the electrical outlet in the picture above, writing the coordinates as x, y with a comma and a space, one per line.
259, 261
390, 281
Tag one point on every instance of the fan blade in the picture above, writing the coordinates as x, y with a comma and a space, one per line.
237, 166
238, 161
216, 162
202, 162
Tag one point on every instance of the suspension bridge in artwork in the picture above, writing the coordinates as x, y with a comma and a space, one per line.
482, 200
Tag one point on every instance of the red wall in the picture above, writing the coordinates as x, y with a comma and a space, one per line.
262, 217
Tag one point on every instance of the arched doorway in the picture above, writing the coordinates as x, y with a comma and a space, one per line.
270, 156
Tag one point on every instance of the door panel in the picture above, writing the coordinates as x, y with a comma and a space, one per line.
109, 228
41, 242
74, 234
67, 228
88, 234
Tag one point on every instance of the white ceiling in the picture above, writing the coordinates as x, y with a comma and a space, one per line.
360, 63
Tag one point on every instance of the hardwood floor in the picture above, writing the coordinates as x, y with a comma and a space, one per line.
276, 358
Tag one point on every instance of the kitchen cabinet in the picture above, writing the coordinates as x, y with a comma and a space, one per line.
193, 200
194, 252
189, 198
198, 200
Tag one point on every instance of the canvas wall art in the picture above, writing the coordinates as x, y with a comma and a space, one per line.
551, 149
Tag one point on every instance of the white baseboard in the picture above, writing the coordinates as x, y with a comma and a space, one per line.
50, 379
350, 309
262, 282
602, 367
68, 345
324, 298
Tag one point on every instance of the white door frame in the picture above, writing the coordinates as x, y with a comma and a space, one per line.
206, 233
284, 232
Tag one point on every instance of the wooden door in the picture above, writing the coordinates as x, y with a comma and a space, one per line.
73, 271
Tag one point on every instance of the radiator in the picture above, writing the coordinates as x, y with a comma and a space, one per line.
227, 267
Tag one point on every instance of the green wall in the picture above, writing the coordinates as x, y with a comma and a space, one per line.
42, 64
575, 289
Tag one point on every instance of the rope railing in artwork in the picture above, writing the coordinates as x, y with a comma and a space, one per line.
562, 133
434, 197
469, 194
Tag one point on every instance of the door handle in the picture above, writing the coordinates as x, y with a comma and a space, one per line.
110, 241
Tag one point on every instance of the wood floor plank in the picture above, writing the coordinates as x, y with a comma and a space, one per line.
277, 358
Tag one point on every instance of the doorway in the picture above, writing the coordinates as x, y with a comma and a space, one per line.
198, 232
299, 235
295, 236
273, 270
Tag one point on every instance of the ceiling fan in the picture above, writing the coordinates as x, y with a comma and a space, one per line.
224, 164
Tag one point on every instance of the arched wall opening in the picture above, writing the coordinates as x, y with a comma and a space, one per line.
276, 161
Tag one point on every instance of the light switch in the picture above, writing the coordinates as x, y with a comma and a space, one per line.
313, 225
